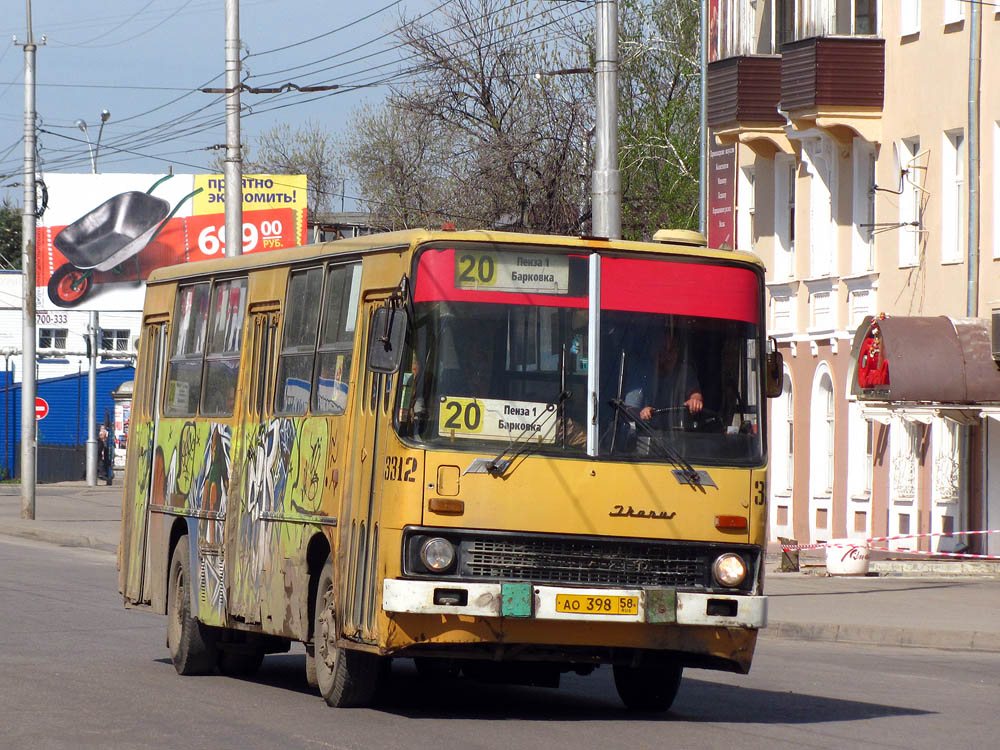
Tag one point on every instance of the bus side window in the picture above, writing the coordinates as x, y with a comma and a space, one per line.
336, 339
183, 390
298, 341
225, 336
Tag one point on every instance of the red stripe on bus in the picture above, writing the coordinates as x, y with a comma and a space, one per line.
696, 289
627, 284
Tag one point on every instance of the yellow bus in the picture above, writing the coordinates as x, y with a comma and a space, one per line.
505, 456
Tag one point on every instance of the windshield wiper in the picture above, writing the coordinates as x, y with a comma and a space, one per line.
524, 442
676, 459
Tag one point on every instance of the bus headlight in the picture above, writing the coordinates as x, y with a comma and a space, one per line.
437, 554
729, 569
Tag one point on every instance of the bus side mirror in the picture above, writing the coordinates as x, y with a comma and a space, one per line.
775, 371
385, 339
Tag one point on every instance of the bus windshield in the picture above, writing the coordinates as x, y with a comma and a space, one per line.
499, 354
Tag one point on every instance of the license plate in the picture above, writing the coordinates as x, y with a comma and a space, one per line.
587, 604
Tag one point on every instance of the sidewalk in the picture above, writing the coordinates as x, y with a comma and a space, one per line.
953, 612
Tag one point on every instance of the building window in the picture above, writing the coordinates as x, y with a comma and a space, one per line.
866, 17
830, 442
996, 188
818, 156
784, 216
114, 339
862, 244
822, 445
52, 338
822, 310
952, 191
784, 23
861, 305
790, 425
909, 17
781, 314
745, 221
954, 11
909, 202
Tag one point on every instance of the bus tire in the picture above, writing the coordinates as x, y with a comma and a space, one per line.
346, 678
648, 687
311, 680
191, 643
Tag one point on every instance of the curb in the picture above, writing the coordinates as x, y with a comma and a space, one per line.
873, 635
55, 537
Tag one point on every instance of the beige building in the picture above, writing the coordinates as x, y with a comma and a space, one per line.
856, 148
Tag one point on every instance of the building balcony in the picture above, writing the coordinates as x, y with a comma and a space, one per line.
834, 83
743, 97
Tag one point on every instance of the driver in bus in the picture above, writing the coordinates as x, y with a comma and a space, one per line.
665, 387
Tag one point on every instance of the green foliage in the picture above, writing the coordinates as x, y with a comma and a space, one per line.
658, 115
476, 136
10, 235
482, 134
308, 150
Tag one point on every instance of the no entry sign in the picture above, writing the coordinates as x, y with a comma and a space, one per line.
41, 408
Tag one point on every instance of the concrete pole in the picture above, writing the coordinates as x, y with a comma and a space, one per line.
607, 184
92, 328
606, 189
234, 157
28, 374
703, 124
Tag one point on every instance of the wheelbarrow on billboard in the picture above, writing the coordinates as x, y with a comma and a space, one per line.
103, 238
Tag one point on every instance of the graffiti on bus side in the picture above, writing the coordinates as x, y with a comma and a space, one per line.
285, 463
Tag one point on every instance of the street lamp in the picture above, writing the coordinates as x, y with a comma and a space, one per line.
105, 116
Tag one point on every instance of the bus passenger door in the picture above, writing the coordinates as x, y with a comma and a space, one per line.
359, 524
243, 518
143, 424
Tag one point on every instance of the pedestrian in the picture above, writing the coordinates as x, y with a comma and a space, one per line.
106, 448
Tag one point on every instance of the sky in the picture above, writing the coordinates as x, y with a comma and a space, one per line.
144, 61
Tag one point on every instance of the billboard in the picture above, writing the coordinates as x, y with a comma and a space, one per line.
101, 235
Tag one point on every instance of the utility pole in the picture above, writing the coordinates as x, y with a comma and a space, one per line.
607, 184
606, 188
234, 157
92, 328
28, 379
703, 124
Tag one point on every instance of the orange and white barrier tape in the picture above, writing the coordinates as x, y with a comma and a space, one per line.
867, 543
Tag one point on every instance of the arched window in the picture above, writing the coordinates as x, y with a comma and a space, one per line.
822, 446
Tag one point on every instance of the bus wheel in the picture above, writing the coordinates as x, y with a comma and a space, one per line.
311, 680
192, 645
346, 678
648, 687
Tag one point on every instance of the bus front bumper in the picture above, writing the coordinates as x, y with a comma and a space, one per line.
531, 601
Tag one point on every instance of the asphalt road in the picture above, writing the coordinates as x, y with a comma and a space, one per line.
78, 671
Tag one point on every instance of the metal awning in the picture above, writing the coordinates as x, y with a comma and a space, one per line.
931, 360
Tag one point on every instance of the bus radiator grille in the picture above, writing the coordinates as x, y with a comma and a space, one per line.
611, 563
